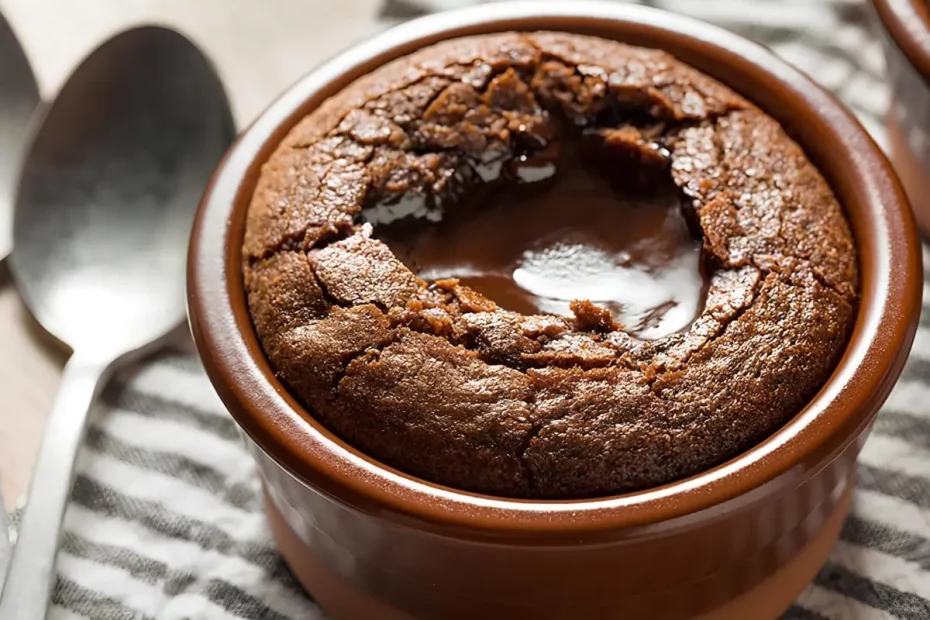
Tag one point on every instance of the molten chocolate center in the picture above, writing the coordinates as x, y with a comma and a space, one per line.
614, 236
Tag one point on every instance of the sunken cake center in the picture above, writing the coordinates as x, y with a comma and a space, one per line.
587, 219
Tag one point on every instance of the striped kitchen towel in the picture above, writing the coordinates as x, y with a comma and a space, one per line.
165, 520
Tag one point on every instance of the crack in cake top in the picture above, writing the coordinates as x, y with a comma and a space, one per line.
436, 380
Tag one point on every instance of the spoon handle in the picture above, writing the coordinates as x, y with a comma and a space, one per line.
29, 579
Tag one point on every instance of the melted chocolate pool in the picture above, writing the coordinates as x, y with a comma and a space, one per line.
563, 232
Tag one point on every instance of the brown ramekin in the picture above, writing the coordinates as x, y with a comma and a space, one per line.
739, 541
905, 26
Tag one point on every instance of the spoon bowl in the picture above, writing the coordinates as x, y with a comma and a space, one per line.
108, 191
19, 98
102, 220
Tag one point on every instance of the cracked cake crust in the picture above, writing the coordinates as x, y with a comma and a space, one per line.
436, 380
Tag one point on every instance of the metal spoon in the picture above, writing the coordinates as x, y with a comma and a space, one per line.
102, 220
19, 97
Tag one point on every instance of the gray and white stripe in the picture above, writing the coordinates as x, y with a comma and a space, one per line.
165, 520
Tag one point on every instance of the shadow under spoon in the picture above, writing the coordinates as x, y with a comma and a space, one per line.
101, 225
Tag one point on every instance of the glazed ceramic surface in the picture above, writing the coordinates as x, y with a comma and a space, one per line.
371, 542
905, 28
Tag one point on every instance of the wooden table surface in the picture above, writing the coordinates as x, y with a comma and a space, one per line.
259, 48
